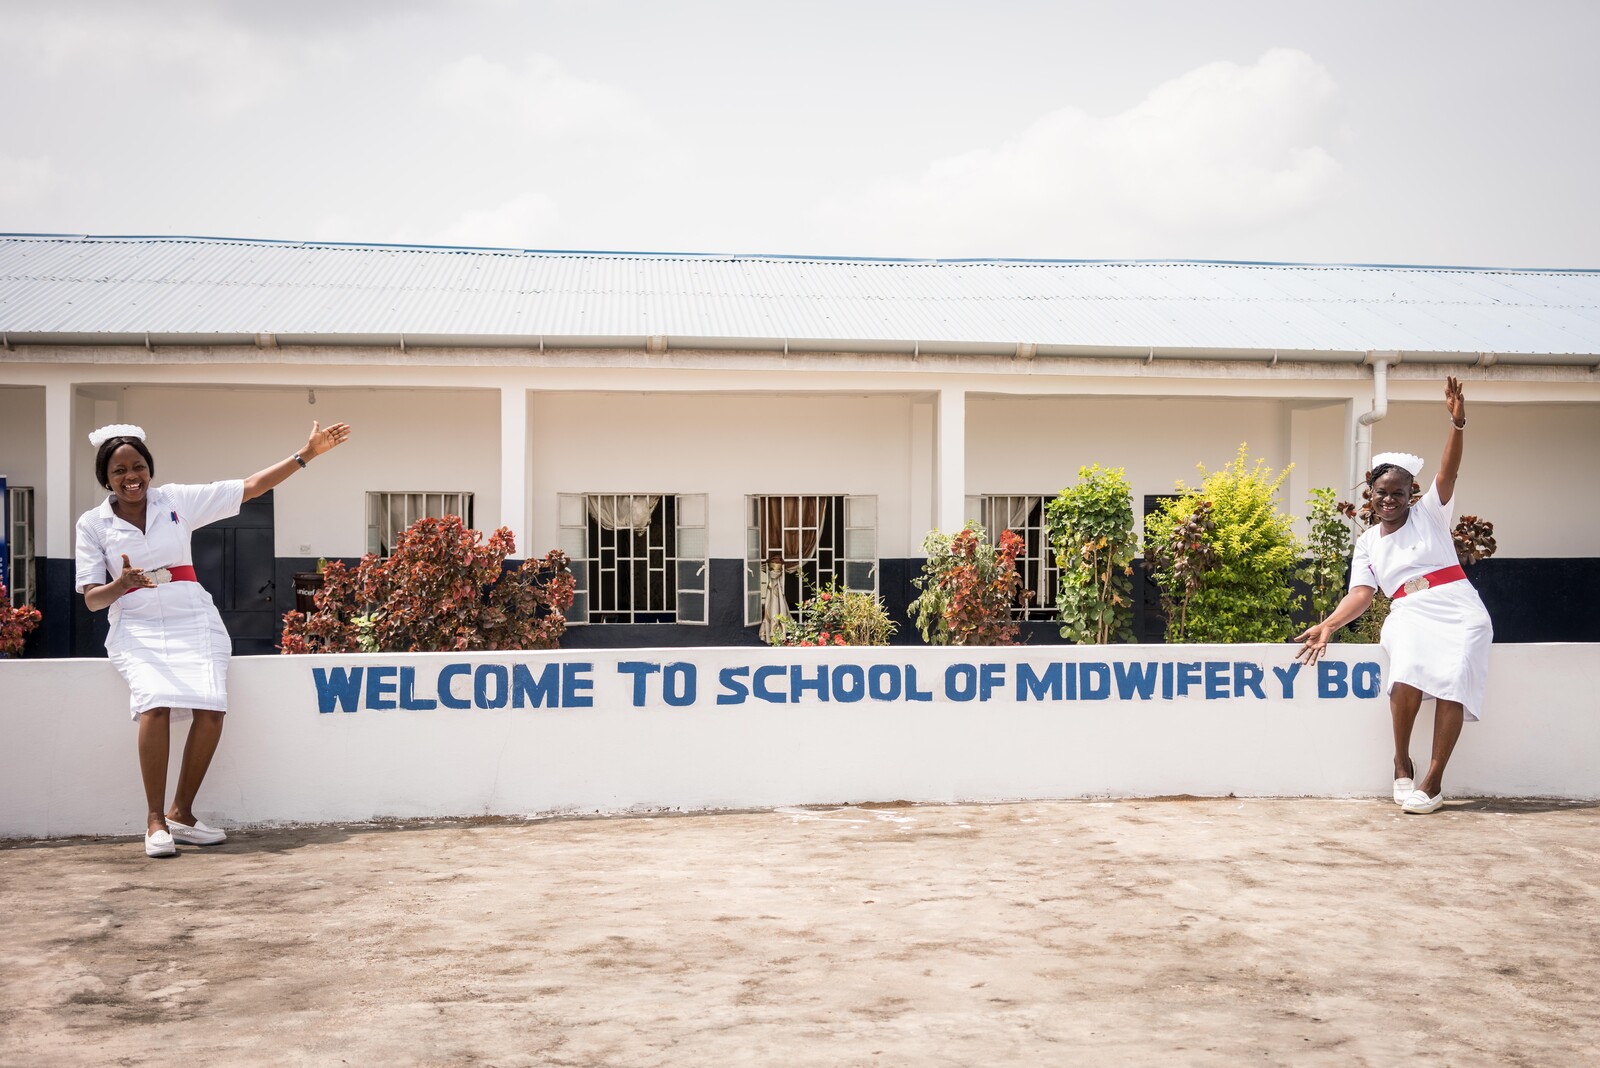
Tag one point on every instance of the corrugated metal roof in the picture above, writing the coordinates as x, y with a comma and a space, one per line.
58, 288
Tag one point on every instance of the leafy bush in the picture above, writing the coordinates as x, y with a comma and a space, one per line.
834, 616
968, 588
1474, 539
443, 589
1329, 550
15, 623
1091, 532
1180, 559
1225, 570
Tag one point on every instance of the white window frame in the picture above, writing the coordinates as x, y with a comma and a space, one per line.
688, 562
854, 563
20, 546
1039, 572
415, 505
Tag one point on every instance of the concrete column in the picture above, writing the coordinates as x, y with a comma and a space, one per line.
952, 459
923, 473
514, 466
59, 522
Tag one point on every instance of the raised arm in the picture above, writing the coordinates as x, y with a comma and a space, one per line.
318, 443
1455, 402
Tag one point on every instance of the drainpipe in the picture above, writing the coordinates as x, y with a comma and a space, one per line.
1380, 362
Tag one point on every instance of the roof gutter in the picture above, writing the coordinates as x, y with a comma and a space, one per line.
1381, 362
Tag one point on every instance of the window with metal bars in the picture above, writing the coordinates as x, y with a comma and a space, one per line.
390, 513
797, 543
1023, 514
635, 557
20, 546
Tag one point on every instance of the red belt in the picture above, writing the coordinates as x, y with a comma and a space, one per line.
1453, 573
163, 575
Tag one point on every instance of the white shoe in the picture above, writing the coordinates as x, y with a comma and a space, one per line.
1420, 804
199, 834
1402, 790
159, 844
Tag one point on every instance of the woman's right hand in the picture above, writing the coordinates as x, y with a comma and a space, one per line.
1316, 643
133, 578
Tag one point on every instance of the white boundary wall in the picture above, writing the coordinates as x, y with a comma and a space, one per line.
70, 767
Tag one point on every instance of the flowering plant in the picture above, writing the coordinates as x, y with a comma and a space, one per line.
443, 589
968, 588
834, 616
15, 623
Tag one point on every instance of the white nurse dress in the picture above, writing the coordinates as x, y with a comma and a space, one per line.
1437, 639
168, 641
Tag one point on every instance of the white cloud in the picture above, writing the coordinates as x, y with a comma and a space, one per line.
224, 69
525, 221
1222, 151
24, 179
537, 99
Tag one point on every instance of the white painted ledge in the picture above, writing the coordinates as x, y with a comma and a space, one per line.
70, 767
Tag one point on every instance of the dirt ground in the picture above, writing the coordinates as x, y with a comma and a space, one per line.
1193, 932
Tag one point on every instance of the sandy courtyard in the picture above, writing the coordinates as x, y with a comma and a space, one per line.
1212, 932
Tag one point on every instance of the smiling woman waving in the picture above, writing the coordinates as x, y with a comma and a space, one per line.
167, 639
1438, 632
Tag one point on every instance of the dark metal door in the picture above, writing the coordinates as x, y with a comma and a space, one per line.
233, 559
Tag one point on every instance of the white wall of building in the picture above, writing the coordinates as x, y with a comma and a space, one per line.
726, 446
1532, 470
22, 439
627, 422
71, 768
403, 439
1037, 444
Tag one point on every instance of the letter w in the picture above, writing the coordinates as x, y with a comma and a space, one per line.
1135, 677
338, 685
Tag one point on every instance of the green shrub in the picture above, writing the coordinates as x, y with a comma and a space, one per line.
1091, 532
1328, 549
1236, 585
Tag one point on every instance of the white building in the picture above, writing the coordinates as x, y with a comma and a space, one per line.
660, 405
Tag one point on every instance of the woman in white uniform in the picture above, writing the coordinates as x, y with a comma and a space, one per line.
1438, 632
166, 637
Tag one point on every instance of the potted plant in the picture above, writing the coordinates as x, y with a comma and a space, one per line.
1091, 532
15, 623
1225, 557
444, 588
968, 588
835, 616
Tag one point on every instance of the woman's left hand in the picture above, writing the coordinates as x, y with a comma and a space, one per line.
1456, 401
1316, 639
322, 440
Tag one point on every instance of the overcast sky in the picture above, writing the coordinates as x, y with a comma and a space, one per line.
1351, 132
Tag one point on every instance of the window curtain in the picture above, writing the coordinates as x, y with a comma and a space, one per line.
622, 511
775, 621
1014, 510
790, 528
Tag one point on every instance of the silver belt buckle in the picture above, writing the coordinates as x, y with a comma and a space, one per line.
160, 576
1417, 585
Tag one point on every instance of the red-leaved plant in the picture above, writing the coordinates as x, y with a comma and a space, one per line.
15, 623
443, 589
969, 588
